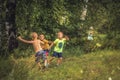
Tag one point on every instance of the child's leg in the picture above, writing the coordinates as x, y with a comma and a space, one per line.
51, 59
47, 56
38, 62
59, 61
59, 58
44, 57
39, 65
45, 63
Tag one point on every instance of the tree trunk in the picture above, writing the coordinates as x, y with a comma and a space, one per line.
10, 24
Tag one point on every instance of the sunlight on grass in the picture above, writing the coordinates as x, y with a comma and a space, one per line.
101, 65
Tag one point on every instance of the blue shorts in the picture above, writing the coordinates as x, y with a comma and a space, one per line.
57, 54
40, 55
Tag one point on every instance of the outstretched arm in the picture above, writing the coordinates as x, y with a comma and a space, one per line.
25, 41
50, 42
51, 45
66, 38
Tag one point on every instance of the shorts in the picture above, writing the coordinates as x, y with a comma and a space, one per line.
46, 52
40, 55
57, 54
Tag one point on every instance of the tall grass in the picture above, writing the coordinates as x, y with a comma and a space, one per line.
100, 65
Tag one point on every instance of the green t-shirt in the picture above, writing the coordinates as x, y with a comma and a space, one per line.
59, 44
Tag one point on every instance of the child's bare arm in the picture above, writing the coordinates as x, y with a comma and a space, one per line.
25, 41
50, 42
51, 45
66, 38
41, 42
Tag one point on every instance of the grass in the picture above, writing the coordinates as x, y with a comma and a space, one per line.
100, 65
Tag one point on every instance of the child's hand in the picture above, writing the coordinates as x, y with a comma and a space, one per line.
19, 37
66, 37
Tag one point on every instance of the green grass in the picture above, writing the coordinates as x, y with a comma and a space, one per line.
100, 65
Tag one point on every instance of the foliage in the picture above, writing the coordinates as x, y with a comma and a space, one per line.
49, 17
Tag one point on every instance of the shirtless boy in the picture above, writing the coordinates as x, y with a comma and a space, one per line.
37, 47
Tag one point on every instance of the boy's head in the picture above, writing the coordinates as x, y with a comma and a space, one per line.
42, 37
34, 35
60, 35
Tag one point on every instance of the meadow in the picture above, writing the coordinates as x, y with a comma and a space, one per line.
84, 59
99, 65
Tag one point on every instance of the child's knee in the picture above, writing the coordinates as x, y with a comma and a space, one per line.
60, 58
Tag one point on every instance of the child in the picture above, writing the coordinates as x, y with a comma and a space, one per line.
45, 46
37, 47
91, 33
58, 47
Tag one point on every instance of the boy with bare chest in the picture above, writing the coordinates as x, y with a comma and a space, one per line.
37, 48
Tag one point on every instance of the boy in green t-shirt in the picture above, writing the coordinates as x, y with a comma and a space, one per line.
58, 47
